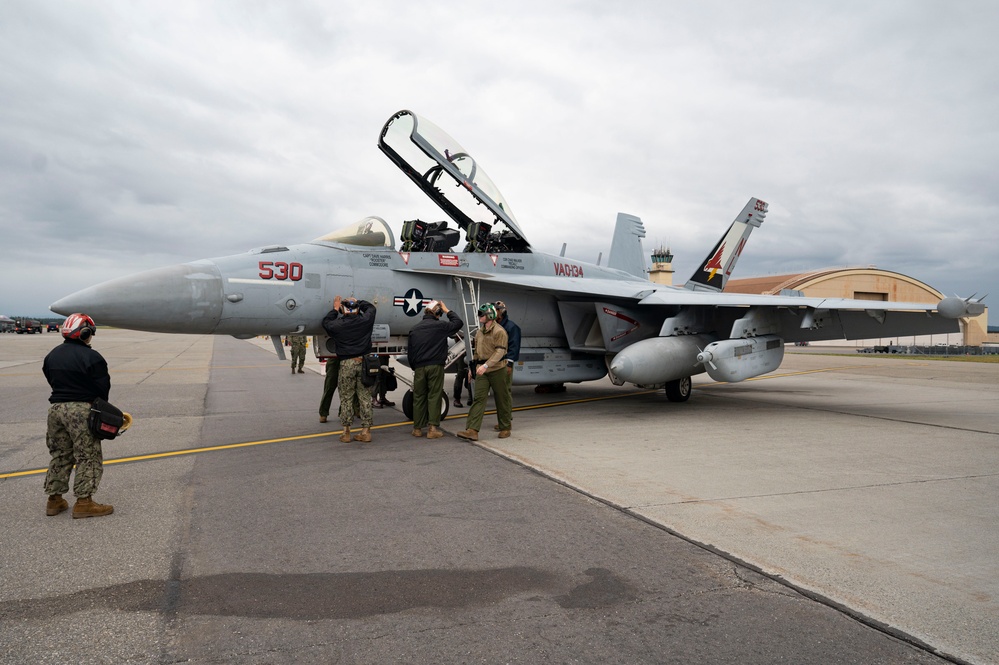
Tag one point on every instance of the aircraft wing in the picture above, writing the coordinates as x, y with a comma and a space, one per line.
565, 286
647, 293
694, 298
796, 318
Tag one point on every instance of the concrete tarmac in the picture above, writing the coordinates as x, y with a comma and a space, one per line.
244, 531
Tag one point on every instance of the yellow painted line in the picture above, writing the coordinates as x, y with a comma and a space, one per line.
563, 403
208, 449
158, 369
305, 437
782, 375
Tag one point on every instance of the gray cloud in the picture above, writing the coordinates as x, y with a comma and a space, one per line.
136, 135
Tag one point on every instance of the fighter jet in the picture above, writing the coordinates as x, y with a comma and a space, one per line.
580, 321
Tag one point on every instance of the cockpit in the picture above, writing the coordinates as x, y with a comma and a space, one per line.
452, 178
369, 232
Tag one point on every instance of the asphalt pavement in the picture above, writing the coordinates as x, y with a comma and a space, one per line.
244, 531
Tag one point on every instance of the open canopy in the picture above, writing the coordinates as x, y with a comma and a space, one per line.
449, 176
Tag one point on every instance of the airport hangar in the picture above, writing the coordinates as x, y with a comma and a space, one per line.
860, 283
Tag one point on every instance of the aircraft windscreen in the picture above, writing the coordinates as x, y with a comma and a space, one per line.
425, 153
369, 232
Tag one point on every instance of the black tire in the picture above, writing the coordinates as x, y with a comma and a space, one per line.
407, 404
679, 390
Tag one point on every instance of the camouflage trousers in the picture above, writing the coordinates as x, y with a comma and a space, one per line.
353, 393
297, 355
69, 440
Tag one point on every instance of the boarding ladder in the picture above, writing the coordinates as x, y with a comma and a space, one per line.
470, 315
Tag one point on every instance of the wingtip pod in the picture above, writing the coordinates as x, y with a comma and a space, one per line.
955, 307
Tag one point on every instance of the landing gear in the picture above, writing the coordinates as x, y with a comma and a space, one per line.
679, 390
407, 404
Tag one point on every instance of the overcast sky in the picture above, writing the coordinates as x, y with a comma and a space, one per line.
136, 135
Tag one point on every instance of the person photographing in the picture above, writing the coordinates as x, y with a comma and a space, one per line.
350, 324
427, 353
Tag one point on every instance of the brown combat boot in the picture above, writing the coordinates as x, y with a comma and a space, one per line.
434, 432
469, 434
345, 437
322, 419
292, 369
504, 434
417, 431
55, 505
87, 507
364, 436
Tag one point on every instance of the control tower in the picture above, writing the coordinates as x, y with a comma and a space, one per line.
662, 266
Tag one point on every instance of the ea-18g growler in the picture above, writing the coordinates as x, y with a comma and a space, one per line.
579, 321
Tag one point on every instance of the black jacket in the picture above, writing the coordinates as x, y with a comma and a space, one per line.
76, 373
428, 340
351, 333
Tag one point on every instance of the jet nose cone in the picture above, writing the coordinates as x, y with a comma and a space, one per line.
185, 298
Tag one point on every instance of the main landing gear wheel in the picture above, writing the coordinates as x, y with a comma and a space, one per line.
407, 404
679, 390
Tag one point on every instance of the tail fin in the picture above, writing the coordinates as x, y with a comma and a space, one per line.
626, 247
717, 267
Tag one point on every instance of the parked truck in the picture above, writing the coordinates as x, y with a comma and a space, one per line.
30, 326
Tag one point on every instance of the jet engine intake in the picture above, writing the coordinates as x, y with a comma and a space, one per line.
740, 359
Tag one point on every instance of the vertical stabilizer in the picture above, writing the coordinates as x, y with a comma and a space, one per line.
626, 248
715, 270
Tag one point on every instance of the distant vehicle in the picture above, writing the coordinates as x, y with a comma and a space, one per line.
29, 326
53, 327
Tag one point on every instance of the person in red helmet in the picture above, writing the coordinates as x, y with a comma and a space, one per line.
77, 375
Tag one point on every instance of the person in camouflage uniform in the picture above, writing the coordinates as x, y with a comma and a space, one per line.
298, 346
350, 324
78, 375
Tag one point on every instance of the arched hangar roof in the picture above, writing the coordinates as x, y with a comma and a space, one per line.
868, 283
